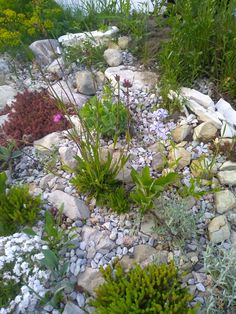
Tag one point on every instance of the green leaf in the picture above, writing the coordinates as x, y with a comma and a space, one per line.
50, 259
29, 231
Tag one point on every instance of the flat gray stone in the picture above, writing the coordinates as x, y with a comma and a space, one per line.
48, 141
227, 177
225, 201
7, 94
89, 280
71, 308
73, 207
219, 229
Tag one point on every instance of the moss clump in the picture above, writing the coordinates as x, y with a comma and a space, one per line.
154, 289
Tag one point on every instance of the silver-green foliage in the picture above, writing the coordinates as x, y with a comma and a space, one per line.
176, 220
219, 263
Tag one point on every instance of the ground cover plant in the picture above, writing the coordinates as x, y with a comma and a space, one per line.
154, 289
17, 207
31, 117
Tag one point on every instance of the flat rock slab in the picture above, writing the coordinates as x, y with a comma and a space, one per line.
64, 93
200, 98
144, 255
140, 80
227, 177
225, 201
89, 280
48, 141
73, 207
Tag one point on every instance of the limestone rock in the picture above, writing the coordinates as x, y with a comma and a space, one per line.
144, 255
113, 57
205, 132
225, 201
228, 166
227, 130
89, 280
144, 80
65, 93
227, 177
67, 156
100, 238
204, 114
123, 42
7, 94
56, 67
48, 141
43, 184
45, 50
157, 161
3, 119
227, 111
148, 225
73, 207
181, 132
219, 230
96, 37
71, 308
86, 83
182, 155
201, 99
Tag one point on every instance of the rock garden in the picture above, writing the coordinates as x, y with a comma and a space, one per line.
117, 158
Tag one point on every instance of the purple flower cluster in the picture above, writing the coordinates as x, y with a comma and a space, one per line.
157, 127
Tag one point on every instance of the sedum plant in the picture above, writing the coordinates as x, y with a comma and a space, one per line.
147, 189
17, 207
154, 289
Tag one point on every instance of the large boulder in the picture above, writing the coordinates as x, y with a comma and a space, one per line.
7, 94
45, 50
73, 207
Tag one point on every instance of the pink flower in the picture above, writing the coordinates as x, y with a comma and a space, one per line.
57, 117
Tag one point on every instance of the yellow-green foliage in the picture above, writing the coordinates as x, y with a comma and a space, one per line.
154, 289
22, 21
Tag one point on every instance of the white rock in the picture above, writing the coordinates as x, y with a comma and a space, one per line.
71, 308
64, 93
7, 95
45, 50
144, 80
227, 177
123, 42
227, 131
228, 166
96, 37
46, 143
73, 207
227, 111
86, 83
205, 131
201, 99
225, 201
219, 230
204, 114
113, 57
182, 155
3, 119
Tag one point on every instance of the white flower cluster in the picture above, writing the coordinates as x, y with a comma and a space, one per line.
24, 252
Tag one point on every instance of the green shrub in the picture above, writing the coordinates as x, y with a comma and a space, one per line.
219, 263
154, 289
17, 207
106, 117
202, 44
147, 189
